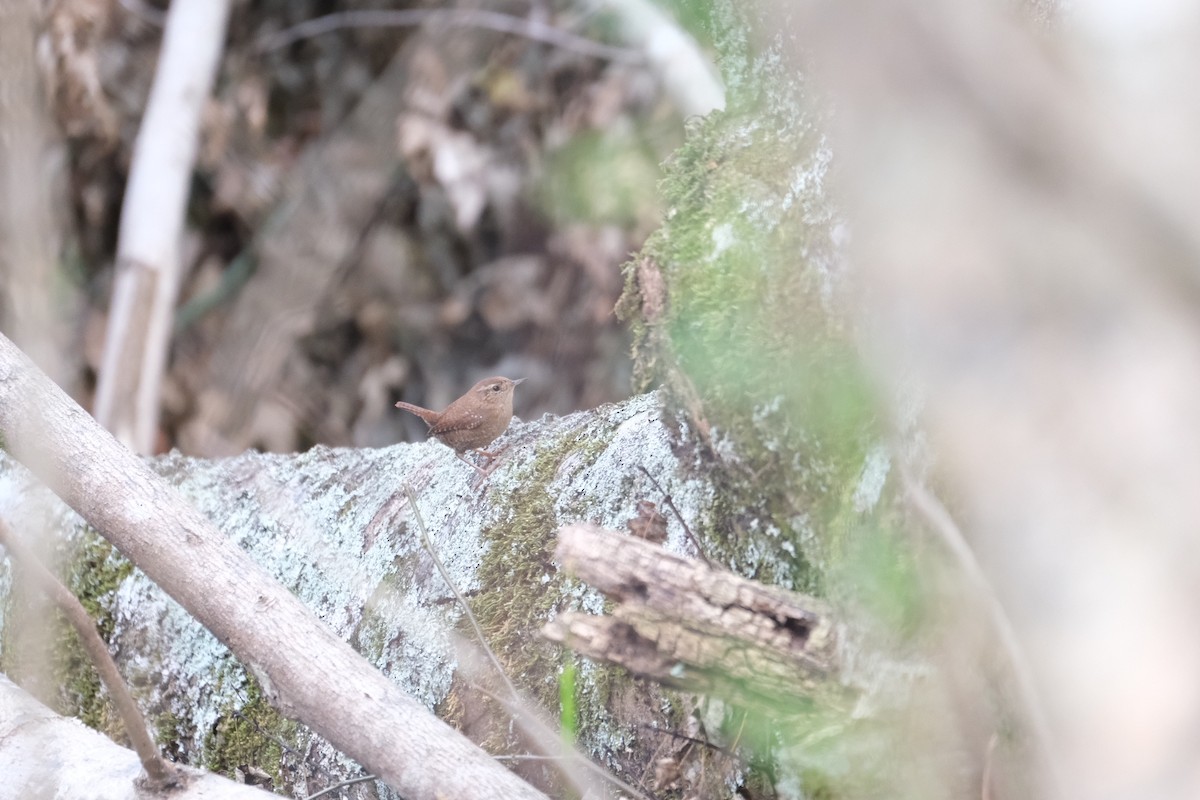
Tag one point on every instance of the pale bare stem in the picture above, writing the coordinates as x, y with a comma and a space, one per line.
548, 740
985, 783
343, 784
35, 302
148, 248
462, 601
459, 17
163, 775
671, 505
938, 520
33, 309
687, 74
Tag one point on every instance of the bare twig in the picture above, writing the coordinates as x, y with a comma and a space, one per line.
687, 74
463, 17
671, 505
939, 521
685, 738
343, 784
985, 789
161, 773
462, 602
547, 739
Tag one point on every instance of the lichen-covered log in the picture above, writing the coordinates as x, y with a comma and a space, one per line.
336, 528
685, 624
307, 673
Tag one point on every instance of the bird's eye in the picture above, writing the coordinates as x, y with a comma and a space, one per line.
495, 387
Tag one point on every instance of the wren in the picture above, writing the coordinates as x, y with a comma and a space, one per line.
473, 421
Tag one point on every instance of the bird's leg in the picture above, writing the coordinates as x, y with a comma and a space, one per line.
472, 465
491, 457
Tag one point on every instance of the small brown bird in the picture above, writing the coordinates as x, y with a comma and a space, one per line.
473, 421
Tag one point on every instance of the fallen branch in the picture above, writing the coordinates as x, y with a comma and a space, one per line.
682, 623
472, 17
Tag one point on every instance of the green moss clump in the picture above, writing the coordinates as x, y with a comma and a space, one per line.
169, 731
733, 308
249, 736
513, 600
95, 571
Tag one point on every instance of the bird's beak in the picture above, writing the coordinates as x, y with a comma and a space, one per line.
517, 381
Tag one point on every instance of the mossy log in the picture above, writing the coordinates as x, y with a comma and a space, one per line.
336, 527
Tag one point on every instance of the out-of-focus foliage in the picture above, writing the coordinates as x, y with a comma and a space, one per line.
744, 305
734, 303
602, 177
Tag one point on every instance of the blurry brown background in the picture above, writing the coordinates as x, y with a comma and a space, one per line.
378, 213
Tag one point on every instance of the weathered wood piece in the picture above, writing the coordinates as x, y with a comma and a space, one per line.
684, 624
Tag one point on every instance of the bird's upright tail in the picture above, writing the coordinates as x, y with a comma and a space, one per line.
430, 417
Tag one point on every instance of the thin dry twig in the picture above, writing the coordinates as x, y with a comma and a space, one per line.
162, 774
343, 784
462, 601
568, 755
938, 520
985, 788
460, 17
685, 738
671, 505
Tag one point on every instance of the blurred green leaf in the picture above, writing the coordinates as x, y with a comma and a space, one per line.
598, 177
